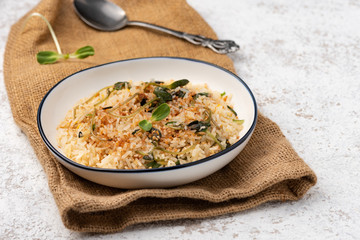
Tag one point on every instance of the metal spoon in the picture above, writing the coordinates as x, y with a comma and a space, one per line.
107, 16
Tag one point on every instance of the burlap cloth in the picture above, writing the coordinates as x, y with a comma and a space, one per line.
268, 169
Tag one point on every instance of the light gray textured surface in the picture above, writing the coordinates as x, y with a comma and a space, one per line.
302, 60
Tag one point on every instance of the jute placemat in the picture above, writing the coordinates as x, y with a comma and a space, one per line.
267, 169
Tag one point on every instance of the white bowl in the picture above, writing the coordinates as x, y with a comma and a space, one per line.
64, 95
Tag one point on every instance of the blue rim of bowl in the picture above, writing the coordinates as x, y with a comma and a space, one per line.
71, 162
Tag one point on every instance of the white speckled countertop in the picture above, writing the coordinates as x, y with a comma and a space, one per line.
302, 61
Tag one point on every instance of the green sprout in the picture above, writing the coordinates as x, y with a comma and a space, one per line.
49, 57
240, 122
158, 114
178, 83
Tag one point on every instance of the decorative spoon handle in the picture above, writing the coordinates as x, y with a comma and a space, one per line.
218, 46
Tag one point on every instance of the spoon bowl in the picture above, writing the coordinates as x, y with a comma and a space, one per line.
101, 15
107, 16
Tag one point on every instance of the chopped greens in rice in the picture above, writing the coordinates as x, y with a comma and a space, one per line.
148, 125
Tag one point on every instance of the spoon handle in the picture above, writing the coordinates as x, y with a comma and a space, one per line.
218, 46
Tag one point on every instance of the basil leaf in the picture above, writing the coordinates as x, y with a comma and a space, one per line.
160, 112
178, 83
47, 57
84, 52
145, 125
163, 94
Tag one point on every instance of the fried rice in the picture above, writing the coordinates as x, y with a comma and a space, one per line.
105, 129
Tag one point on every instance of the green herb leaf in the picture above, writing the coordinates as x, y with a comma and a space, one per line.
84, 52
227, 144
238, 121
174, 125
163, 94
145, 125
232, 110
177, 162
47, 57
135, 131
199, 126
148, 157
223, 94
200, 94
181, 93
155, 134
178, 83
160, 112
143, 102
215, 139
121, 85
153, 164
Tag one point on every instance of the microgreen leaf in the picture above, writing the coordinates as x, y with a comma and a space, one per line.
200, 94
178, 83
121, 85
163, 94
227, 143
155, 134
135, 131
143, 101
174, 125
160, 112
232, 110
181, 93
199, 126
215, 139
47, 57
148, 157
223, 94
238, 121
84, 52
153, 164
145, 125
